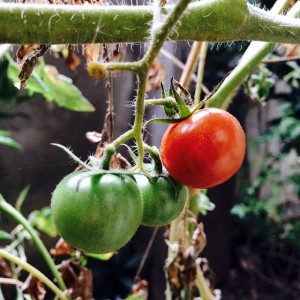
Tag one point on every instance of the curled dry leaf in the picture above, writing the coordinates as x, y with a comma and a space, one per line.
140, 289
182, 269
5, 270
62, 248
156, 75
198, 240
28, 57
94, 136
104, 52
72, 60
78, 279
97, 54
34, 288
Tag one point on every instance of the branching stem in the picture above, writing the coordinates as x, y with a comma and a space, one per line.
34, 272
12, 212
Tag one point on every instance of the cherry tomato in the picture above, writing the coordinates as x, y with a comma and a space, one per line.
164, 199
205, 149
99, 213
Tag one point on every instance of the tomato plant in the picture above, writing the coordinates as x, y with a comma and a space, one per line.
163, 199
205, 149
97, 214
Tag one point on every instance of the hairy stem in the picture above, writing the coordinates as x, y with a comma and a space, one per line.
255, 53
206, 20
12, 212
34, 272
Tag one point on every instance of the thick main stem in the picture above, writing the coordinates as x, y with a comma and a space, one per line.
206, 20
255, 53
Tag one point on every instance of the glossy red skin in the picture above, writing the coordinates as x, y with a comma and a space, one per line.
205, 149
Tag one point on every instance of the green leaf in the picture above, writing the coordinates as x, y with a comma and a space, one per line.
6, 140
105, 256
41, 219
134, 297
21, 198
204, 203
64, 92
240, 210
184, 111
5, 235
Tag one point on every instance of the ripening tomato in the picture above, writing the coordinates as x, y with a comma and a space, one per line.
205, 149
99, 213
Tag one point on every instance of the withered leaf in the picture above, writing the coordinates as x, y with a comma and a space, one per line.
27, 58
78, 279
104, 52
33, 287
62, 248
5, 270
156, 75
94, 136
72, 60
139, 289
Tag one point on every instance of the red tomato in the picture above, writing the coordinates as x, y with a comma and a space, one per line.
205, 149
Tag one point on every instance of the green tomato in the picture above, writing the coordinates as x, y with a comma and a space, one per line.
99, 213
164, 199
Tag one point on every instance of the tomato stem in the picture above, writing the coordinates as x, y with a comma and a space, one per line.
34, 272
155, 156
255, 53
12, 212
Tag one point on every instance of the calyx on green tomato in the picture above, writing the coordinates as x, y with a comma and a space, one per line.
163, 198
205, 149
97, 213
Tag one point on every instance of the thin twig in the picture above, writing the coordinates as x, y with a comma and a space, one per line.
200, 73
190, 64
146, 253
281, 60
11, 281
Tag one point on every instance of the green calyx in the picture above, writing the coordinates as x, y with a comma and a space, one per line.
178, 106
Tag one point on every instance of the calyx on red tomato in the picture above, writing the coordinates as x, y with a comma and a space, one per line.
97, 213
205, 149
163, 199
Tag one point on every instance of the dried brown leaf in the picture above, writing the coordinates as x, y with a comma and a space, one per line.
94, 136
156, 75
140, 289
78, 279
72, 60
34, 287
62, 248
5, 270
27, 58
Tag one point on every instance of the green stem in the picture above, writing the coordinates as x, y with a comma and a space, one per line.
161, 33
34, 272
200, 73
206, 20
11, 211
255, 53
139, 117
202, 285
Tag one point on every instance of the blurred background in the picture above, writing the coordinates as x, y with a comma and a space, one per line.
253, 242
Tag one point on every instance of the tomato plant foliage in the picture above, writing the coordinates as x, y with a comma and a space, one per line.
205, 149
97, 214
